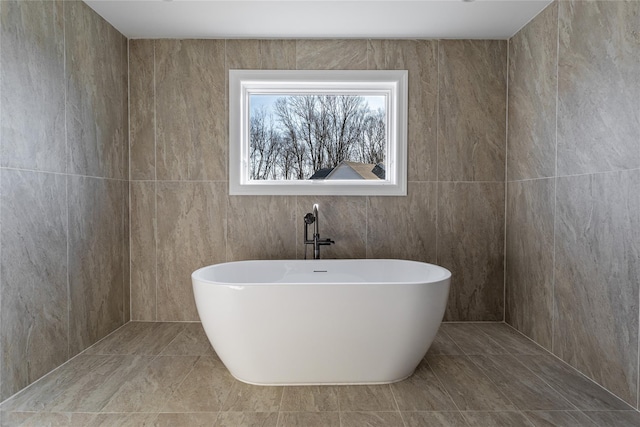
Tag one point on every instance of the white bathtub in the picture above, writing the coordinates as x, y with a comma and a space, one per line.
321, 321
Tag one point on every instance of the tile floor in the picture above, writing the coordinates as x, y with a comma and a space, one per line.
166, 374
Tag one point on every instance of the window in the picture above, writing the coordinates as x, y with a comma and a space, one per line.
317, 132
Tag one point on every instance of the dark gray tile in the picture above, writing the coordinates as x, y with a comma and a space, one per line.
573, 386
309, 419
471, 246
142, 138
143, 258
596, 275
247, 419
420, 59
331, 54
191, 229
252, 398
471, 340
472, 110
310, 399
34, 277
150, 387
510, 339
32, 86
525, 389
204, 389
371, 419
533, 61
139, 338
366, 398
443, 344
530, 240
456, 373
403, 227
253, 233
342, 219
434, 419
615, 418
126, 253
96, 232
496, 419
559, 419
598, 86
97, 131
191, 127
422, 392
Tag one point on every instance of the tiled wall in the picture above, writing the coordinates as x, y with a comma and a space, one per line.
182, 217
573, 199
63, 185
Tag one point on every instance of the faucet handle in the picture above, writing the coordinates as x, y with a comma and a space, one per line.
326, 242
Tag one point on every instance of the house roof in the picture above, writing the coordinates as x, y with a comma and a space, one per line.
362, 169
321, 173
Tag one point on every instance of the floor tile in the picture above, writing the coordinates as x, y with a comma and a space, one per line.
199, 419
309, 419
204, 389
422, 392
144, 338
253, 398
371, 419
614, 418
470, 389
443, 344
573, 386
191, 341
149, 390
93, 391
510, 339
524, 389
247, 419
434, 419
310, 399
471, 339
366, 398
559, 419
496, 419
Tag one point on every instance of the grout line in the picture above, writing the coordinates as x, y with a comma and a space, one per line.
128, 213
437, 207
555, 191
63, 173
155, 183
395, 400
506, 179
66, 181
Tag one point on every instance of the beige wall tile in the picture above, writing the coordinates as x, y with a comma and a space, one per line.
142, 132
472, 110
471, 246
243, 54
331, 54
278, 54
190, 110
191, 220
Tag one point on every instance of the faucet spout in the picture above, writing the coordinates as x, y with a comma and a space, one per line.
316, 241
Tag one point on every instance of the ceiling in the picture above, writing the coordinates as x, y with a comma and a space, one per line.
458, 19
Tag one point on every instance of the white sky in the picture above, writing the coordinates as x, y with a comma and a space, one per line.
258, 101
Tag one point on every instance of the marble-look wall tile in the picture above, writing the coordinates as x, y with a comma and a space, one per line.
126, 251
34, 277
191, 218
420, 58
341, 219
142, 137
261, 227
278, 54
530, 233
331, 54
598, 86
243, 54
471, 246
472, 110
596, 271
96, 230
143, 250
403, 227
533, 64
190, 110
97, 131
32, 70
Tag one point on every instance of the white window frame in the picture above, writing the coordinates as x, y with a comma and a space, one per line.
392, 84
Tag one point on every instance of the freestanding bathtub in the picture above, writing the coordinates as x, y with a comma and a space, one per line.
321, 321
